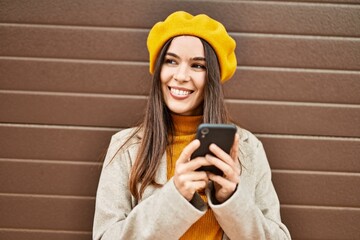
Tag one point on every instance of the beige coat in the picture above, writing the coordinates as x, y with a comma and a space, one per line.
252, 212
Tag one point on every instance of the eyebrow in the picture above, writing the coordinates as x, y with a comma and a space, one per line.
195, 58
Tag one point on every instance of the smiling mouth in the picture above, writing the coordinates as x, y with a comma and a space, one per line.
179, 92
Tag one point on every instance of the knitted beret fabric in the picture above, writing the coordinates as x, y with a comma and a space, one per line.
202, 26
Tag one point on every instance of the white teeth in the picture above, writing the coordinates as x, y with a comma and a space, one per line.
179, 92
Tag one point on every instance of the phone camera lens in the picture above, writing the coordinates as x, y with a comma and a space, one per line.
204, 131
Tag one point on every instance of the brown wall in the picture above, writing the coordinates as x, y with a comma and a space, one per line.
74, 72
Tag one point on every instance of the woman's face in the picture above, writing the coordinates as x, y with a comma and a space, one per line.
183, 76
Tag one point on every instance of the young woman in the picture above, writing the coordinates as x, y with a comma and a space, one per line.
149, 187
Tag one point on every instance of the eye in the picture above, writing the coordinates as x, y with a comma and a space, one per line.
170, 61
198, 66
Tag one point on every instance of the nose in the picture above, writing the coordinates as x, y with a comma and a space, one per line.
182, 73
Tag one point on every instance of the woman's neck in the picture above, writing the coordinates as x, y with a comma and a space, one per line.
185, 125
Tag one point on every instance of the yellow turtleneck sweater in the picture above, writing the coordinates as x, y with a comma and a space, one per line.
185, 129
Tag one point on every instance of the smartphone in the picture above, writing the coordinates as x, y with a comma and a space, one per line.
222, 135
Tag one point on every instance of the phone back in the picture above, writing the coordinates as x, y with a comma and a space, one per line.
220, 134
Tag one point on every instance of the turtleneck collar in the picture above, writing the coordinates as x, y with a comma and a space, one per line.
185, 125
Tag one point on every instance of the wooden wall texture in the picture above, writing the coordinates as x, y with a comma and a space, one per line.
73, 72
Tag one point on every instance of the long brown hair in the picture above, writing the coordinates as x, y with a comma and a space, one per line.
157, 126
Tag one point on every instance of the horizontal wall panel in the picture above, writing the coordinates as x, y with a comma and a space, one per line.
320, 1
121, 44
79, 43
77, 215
281, 118
309, 52
60, 178
313, 154
299, 188
47, 213
54, 143
134, 79
110, 111
75, 76
90, 145
320, 188
242, 16
321, 223
16, 234
294, 85
71, 110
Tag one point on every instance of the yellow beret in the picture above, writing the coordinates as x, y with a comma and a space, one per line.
202, 26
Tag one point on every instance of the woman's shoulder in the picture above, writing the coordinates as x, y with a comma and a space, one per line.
126, 137
121, 142
252, 154
247, 137
249, 144
125, 133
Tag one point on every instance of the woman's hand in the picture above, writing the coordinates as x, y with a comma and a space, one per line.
225, 185
186, 179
